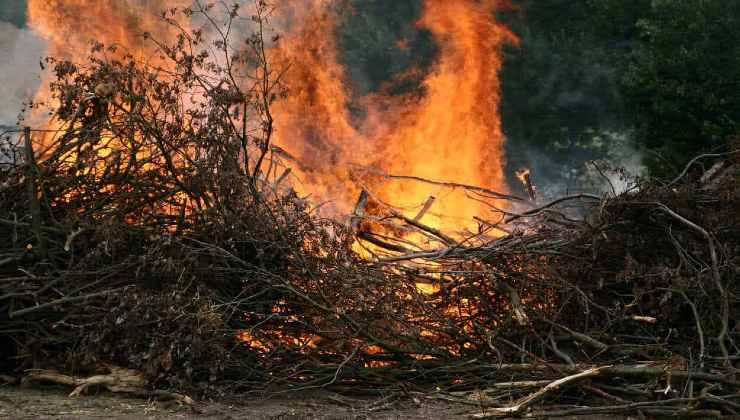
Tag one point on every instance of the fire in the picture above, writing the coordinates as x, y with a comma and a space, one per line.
454, 132
525, 177
407, 154
70, 27
451, 133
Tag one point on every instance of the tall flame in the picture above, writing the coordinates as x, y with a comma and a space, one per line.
454, 132
71, 25
451, 133
70, 28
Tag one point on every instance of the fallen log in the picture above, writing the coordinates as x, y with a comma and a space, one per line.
117, 380
523, 404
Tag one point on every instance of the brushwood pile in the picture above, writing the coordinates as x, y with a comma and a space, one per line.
133, 241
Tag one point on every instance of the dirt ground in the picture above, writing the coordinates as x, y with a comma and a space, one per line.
54, 404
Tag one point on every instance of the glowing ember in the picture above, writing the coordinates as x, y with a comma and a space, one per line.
525, 177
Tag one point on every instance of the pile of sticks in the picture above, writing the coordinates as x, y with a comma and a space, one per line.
590, 304
624, 306
158, 241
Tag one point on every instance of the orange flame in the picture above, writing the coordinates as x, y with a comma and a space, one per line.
525, 177
452, 133
70, 28
71, 25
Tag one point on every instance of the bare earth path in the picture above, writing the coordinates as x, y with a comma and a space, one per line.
54, 404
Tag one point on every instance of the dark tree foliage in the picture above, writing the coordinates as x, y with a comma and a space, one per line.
561, 104
683, 82
13, 11
381, 47
665, 71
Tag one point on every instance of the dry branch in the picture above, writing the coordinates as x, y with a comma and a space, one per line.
118, 380
526, 402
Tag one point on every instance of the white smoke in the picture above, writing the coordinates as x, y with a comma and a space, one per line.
627, 159
615, 171
20, 53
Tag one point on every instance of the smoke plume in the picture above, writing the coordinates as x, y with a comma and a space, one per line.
20, 52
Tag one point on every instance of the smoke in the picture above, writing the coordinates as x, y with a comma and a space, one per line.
612, 165
562, 106
20, 52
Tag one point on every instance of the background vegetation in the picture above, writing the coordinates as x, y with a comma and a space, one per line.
13, 11
663, 73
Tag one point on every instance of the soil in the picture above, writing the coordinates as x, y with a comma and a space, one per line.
55, 404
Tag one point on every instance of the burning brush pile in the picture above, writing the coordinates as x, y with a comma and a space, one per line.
151, 242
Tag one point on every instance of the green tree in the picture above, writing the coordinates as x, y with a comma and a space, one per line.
561, 99
379, 43
682, 84
666, 72
13, 11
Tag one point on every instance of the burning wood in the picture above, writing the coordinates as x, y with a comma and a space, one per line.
488, 302
150, 237
427, 205
525, 177
359, 211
